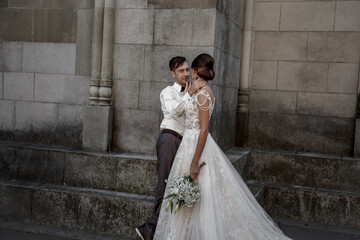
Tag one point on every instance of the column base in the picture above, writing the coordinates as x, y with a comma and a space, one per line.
97, 128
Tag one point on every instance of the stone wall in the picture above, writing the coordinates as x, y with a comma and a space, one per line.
305, 74
44, 68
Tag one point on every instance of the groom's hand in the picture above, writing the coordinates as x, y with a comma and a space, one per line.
198, 84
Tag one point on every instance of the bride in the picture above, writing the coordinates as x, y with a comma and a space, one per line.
227, 209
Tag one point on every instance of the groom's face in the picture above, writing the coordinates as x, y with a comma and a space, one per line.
181, 74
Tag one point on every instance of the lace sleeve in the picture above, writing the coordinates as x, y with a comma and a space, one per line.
204, 104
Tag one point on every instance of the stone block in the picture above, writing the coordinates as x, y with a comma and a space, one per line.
221, 31
339, 136
191, 52
69, 126
19, 86
41, 165
8, 162
134, 26
173, 26
126, 94
131, 3
233, 69
261, 130
357, 138
55, 25
235, 11
149, 95
35, 116
286, 128
39, 57
7, 109
343, 77
15, 203
204, 27
10, 53
4, 3
69, 4
347, 16
312, 129
349, 175
15, 28
136, 130
264, 75
326, 104
128, 62
267, 16
61, 88
307, 16
280, 46
233, 40
1, 85
334, 47
220, 66
273, 101
83, 42
25, 3
97, 128
157, 62
302, 76
182, 4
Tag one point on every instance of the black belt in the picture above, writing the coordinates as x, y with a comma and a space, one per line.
172, 132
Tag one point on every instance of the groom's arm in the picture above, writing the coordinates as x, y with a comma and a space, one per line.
172, 104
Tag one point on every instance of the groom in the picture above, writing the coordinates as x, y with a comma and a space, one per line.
173, 100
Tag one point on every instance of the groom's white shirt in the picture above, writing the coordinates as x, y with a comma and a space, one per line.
173, 103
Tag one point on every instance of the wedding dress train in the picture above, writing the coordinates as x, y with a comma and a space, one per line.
227, 209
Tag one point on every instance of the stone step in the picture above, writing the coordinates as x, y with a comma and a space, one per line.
315, 205
306, 169
90, 210
122, 172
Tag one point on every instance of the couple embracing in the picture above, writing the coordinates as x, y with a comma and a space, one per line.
227, 209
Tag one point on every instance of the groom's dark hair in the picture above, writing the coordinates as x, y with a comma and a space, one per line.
176, 62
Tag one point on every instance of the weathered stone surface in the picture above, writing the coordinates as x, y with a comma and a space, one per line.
233, 69
235, 11
310, 128
1, 85
204, 27
69, 126
286, 127
326, 104
126, 93
334, 47
149, 95
349, 175
41, 165
40, 58
191, 52
302, 76
131, 3
15, 203
343, 77
8, 162
182, 4
4, 3
36, 116
55, 25
15, 28
339, 136
25, 3
280, 46
273, 101
128, 62
10, 56
7, 115
267, 16
61, 88
83, 42
157, 62
223, 128
70, 4
19, 86
136, 130
347, 16
221, 31
264, 75
134, 26
233, 40
307, 16
261, 130
173, 26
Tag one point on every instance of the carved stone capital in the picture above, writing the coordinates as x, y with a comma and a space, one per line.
105, 82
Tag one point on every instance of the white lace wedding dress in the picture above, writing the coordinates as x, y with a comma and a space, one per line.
227, 209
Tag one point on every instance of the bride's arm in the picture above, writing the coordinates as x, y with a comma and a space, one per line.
204, 126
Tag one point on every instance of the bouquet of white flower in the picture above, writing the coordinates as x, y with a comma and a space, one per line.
184, 190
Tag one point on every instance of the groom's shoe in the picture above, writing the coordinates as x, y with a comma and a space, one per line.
141, 231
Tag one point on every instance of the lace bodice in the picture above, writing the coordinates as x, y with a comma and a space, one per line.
193, 108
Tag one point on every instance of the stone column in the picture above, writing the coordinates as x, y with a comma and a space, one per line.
356, 152
96, 51
105, 91
242, 113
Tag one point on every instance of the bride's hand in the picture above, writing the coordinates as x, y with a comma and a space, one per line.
194, 170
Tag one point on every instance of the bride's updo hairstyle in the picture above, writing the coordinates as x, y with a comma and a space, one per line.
203, 64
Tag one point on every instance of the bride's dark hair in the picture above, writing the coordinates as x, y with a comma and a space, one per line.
204, 64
